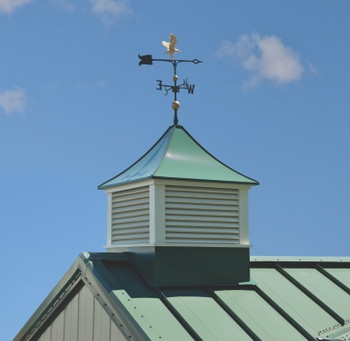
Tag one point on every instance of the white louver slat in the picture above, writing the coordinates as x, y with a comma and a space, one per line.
130, 216
201, 215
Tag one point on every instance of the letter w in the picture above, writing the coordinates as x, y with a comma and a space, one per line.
190, 88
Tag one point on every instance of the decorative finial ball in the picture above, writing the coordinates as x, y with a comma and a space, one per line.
175, 78
175, 105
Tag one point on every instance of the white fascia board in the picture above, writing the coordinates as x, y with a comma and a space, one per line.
129, 186
126, 247
201, 183
197, 183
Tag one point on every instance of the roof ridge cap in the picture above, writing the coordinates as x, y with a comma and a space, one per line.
170, 138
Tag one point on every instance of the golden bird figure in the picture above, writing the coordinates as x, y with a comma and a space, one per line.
171, 46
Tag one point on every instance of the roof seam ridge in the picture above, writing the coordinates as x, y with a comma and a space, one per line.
166, 149
284, 314
308, 293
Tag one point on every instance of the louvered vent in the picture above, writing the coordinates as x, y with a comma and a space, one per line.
130, 216
201, 215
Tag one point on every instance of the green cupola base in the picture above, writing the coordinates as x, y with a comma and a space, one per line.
192, 266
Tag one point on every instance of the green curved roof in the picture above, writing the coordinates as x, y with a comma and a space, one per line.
177, 155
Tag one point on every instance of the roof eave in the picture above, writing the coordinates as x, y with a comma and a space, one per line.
207, 180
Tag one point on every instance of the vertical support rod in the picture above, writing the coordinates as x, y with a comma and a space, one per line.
175, 94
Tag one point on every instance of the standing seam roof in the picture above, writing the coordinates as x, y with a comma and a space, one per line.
290, 299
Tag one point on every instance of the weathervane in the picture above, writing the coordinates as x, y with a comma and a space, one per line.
171, 50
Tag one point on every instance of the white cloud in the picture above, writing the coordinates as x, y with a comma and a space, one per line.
109, 10
9, 6
265, 58
12, 101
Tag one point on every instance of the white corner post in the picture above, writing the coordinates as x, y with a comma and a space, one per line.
157, 214
109, 218
244, 216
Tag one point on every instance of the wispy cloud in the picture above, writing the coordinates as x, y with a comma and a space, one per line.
66, 5
312, 69
265, 58
13, 101
9, 6
110, 10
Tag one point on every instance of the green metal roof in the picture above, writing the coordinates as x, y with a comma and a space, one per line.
177, 155
286, 299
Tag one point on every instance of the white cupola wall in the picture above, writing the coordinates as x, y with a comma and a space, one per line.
177, 194
158, 212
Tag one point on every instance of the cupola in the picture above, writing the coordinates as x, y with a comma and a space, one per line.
178, 207
180, 214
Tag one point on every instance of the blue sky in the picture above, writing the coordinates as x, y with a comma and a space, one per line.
271, 101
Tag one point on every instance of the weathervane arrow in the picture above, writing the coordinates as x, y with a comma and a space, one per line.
146, 59
175, 88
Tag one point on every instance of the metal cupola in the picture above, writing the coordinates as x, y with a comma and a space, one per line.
179, 199
179, 212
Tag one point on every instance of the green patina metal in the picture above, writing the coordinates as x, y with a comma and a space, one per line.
270, 307
291, 300
186, 159
177, 155
263, 319
184, 266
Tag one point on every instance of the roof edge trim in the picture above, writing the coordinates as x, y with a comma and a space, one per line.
60, 292
205, 180
299, 259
